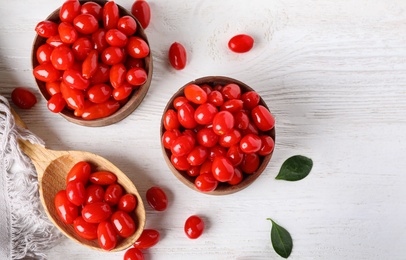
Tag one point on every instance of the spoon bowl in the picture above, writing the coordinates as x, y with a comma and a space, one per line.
52, 168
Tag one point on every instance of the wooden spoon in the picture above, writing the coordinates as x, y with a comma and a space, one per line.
52, 168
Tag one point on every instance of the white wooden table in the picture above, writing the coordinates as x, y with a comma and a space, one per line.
334, 75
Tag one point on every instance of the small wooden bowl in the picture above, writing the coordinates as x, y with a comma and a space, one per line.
134, 100
222, 188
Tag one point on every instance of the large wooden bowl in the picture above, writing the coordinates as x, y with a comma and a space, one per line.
134, 99
222, 188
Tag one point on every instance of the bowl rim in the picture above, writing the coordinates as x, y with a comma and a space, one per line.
223, 188
134, 100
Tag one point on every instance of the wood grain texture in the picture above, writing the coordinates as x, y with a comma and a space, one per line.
332, 72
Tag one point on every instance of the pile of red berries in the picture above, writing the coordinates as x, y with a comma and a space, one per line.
91, 59
217, 134
96, 205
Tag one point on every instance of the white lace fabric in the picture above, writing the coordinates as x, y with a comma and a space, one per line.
25, 230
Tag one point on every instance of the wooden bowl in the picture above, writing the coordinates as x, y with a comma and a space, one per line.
222, 188
134, 100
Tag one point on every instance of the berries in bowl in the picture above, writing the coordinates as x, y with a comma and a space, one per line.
92, 62
96, 205
217, 135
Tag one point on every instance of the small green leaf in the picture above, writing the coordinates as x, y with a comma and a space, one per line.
295, 168
281, 240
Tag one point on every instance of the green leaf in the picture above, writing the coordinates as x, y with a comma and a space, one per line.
295, 168
281, 240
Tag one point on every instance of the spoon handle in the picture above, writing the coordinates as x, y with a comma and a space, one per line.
17, 119
40, 156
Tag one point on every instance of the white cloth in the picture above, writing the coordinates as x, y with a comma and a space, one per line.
25, 230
